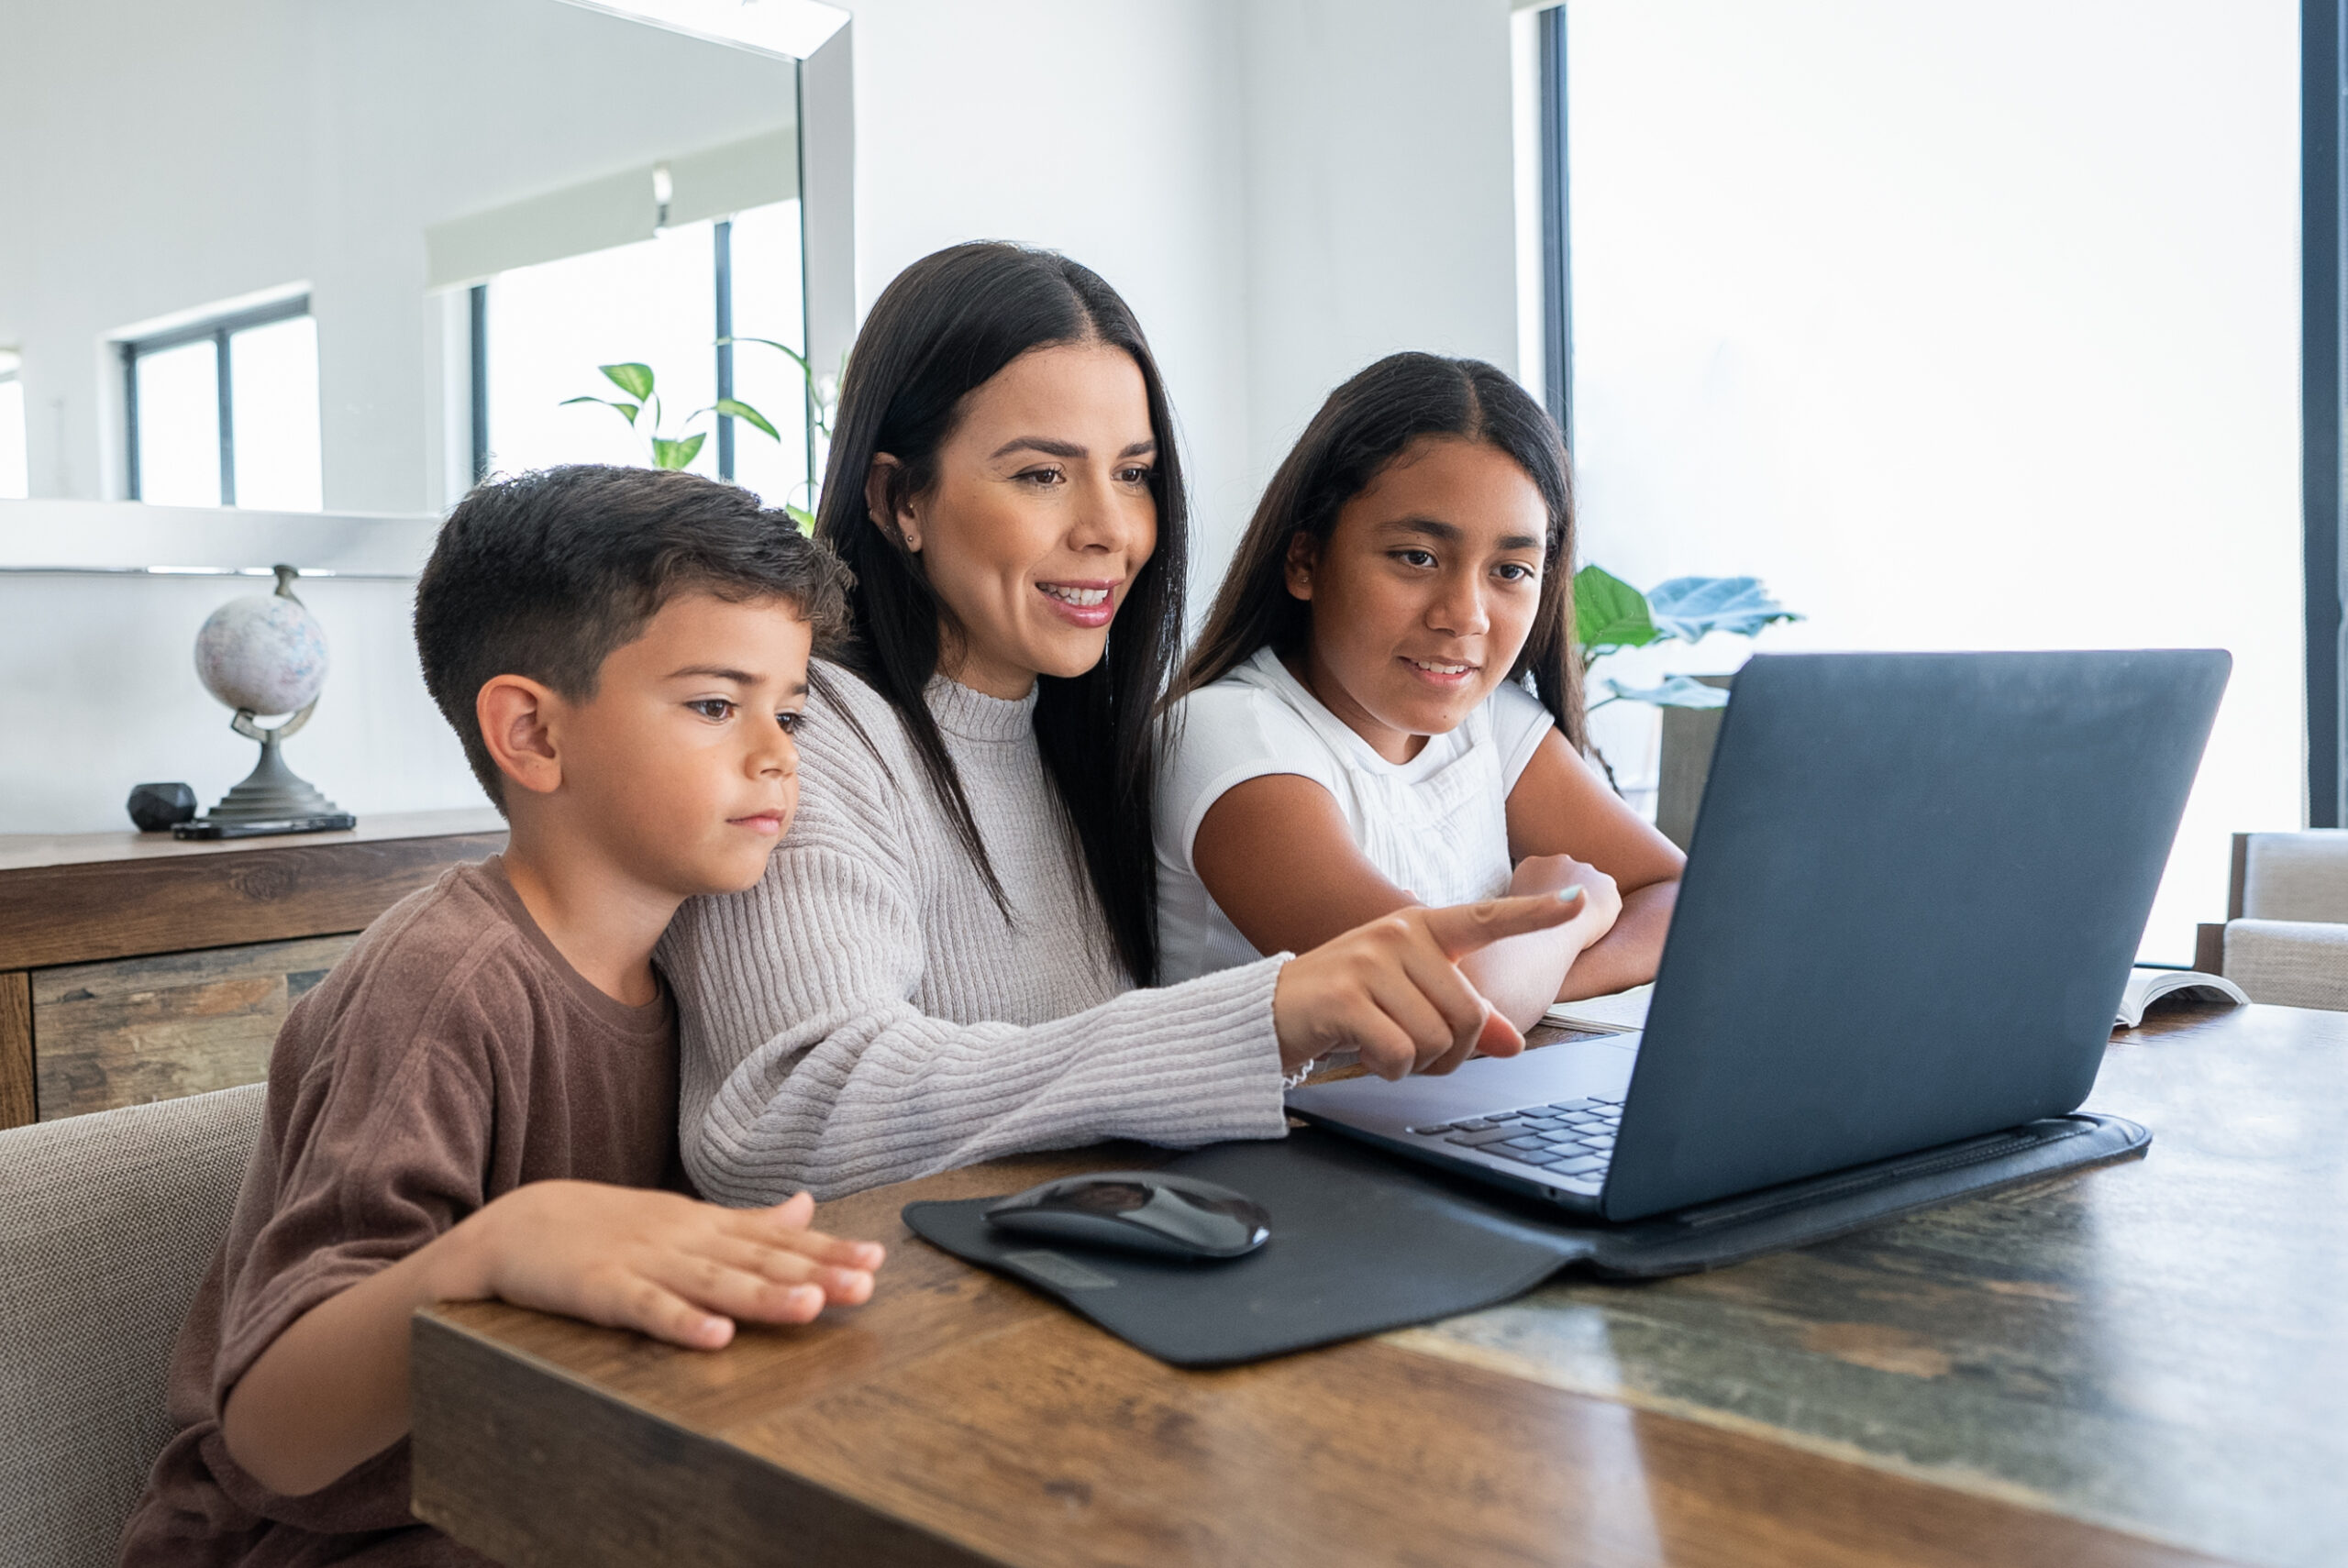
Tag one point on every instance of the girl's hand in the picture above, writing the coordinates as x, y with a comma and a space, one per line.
1392, 988
1601, 902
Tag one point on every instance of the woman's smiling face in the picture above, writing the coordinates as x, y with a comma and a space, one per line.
1040, 517
1424, 593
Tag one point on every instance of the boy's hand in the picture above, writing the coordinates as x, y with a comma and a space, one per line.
662, 1263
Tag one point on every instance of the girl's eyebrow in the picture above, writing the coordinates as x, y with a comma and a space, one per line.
1450, 533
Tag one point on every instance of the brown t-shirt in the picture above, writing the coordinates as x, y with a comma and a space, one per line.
451, 1056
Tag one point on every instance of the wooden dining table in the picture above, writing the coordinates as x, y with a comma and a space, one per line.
2144, 1364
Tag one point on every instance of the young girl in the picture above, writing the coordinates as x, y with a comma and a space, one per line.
1385, 707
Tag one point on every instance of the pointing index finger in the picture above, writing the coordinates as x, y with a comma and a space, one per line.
1460, 929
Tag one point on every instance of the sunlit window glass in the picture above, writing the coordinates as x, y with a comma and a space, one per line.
653, 303
1958, 343
768, 295
179, 424
549, 328
273, 376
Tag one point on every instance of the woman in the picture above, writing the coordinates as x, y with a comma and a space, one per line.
1356, 719
939, 964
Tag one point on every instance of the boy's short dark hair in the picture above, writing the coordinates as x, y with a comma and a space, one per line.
547, 574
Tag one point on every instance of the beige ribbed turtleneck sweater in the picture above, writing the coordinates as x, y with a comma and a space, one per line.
866, 1014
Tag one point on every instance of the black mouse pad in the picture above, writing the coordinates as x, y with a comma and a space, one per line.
1362, 1242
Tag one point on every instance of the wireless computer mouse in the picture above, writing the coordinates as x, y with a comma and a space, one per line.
1142, 1211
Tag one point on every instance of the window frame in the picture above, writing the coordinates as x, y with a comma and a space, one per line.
1556, 225
2323, 401
220, 330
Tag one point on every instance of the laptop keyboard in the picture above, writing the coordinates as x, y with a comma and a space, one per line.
1572, 1138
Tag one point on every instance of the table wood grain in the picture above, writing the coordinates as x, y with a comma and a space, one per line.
2139, 1365
16, 1098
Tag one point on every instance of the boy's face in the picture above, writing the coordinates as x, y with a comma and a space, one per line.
682, 766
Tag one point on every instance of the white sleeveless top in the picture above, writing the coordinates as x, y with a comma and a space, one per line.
1436, 826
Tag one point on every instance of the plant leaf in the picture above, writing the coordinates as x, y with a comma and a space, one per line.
631, 378
1688, 608
627, 411
1679, 691
676, 454
1609, 612
804, 518
739, 409
796, 357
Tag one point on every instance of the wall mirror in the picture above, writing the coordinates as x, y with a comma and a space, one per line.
339, 259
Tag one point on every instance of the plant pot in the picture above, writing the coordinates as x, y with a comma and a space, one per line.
1689, 734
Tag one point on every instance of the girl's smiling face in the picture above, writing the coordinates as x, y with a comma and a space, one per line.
1423, 593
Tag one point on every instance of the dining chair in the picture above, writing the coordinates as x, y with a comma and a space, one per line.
107, 1224
2286, 936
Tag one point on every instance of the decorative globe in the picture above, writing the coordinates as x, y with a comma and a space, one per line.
264, 653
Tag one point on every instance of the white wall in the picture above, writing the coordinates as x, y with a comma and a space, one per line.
1380, 198
1112, 133
190, 154
1283, 189
1964, 327
105, 696
97, 674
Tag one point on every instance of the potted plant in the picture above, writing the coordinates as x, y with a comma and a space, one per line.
1611, 615
641, 408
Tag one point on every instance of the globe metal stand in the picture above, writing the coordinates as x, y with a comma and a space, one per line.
272, 792
271, 797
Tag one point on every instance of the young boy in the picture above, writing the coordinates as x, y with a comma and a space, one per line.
481, 1099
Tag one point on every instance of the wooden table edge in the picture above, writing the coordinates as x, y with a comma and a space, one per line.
448, 1473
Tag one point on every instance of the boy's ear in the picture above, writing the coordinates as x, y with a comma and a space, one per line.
515, 717
1304, 555
901, 525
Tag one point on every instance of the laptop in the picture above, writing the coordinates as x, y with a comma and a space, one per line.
1913, 896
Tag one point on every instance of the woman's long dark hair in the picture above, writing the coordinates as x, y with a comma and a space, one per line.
1365, 425
945, 326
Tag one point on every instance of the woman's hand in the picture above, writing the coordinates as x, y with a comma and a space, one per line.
1392, 988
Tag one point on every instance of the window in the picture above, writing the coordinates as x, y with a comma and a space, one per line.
1962, 329
540, 332
224, 412
13, 464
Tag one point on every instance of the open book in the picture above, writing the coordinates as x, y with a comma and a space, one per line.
2147, 986
1627, 1010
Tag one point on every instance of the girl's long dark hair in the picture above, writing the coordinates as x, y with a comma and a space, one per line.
943, 329
1365, 425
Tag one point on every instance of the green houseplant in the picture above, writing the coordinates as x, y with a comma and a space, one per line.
1610, 616
642, 410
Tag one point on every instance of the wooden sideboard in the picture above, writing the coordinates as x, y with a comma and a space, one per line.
136, 967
